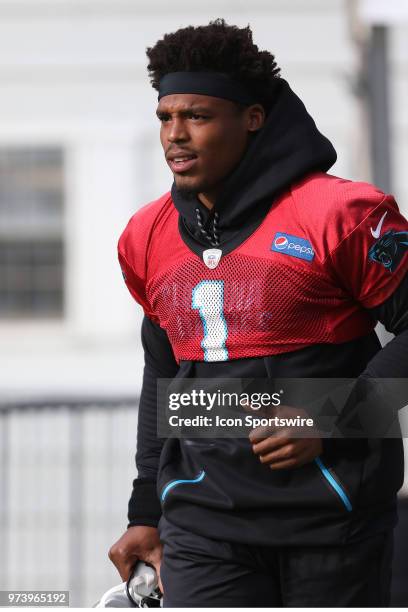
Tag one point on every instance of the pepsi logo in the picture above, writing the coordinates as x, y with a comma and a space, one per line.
293, 246
281, 242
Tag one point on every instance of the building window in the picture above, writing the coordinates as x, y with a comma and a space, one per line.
31, 232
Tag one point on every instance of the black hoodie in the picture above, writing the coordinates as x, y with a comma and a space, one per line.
245, 502
288, 147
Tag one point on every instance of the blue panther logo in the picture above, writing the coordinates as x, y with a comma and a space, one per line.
389, 249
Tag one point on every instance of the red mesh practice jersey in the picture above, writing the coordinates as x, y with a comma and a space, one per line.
327, 250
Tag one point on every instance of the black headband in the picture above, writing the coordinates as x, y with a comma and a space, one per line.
206, 84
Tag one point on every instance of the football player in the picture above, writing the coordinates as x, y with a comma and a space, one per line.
260, 264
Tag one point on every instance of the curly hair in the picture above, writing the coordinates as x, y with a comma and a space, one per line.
216, 47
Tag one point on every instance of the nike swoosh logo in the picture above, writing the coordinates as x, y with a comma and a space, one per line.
376, 233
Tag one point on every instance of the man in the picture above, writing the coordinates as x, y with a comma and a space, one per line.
259, 264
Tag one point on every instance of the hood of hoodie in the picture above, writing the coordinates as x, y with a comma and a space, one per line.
287, 147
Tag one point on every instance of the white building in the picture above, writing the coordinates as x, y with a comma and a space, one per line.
77, 107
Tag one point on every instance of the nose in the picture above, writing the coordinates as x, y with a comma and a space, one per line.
177, 131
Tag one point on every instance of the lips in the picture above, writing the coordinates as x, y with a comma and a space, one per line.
181, 162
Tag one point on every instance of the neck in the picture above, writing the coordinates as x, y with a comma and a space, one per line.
208, 199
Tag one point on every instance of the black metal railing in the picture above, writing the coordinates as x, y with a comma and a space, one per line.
56, 457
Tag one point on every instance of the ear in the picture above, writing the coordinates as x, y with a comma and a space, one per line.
255, 117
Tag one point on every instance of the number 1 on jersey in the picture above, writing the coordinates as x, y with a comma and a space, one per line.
208, 299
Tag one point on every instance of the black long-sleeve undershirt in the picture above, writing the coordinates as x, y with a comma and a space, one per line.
392, 360
144, 506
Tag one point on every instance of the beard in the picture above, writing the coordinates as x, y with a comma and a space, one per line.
190, 192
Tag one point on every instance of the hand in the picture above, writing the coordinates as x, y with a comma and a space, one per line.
139, 543
282, 448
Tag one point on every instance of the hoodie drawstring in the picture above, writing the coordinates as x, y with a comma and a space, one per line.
214, 239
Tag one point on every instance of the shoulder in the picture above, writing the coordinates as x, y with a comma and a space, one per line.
133, 248
328, 197
136, 236
330, 208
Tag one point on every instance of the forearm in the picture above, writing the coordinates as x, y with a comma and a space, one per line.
392, 360
144, 506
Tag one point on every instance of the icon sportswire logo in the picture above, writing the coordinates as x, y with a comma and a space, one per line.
377, 232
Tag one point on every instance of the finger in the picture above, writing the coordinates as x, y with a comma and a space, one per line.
289, 463
156, 565
270, 444
127, 566
159, 578
154, 558
282, 454
124, 570
299, 458
262, 433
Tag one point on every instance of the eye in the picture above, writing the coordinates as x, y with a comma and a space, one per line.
163, 117
197, 116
